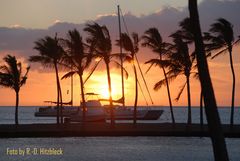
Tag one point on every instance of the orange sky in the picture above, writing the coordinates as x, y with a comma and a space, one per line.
41, 86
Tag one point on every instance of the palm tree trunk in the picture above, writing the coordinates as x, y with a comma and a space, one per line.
169, 96
57, 79
214, 123
83, 99
60, 98
189, 102
16, 108
59, 112
201, 109
136, 96
61, 102
110, 93
233, 87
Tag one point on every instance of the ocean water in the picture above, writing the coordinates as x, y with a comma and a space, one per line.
117, 149
26, 115
114, 148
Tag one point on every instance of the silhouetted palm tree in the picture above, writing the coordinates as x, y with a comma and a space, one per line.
181, 64
214, 123
186, 31
11, 76
187, 34
77, 59
222, 37
131, 45
178, 62
50, 55
153, 40
101, 45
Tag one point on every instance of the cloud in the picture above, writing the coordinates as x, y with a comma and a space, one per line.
166, 20
16, 26
56, 21
106, 15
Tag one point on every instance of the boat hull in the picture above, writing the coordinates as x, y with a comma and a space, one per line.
96, 114
52, 111
141, 115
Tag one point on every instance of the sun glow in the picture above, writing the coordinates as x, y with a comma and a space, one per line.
116, 92
104, 93
99, 85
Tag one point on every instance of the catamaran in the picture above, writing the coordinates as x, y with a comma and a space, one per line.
95, 111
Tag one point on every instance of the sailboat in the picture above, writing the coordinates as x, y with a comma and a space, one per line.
95, 111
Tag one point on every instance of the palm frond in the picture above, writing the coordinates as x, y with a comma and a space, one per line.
99, 39
127, 43
24, 78
187, 29
162, 82
68, 75
11, 73
92, 70
158, 62
219, 53
149, 68
4, 69
6, 80
159, 84
180, 92
237, 41
135, 41
222, 34
153, 40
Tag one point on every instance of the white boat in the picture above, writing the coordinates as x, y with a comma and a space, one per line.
95, 111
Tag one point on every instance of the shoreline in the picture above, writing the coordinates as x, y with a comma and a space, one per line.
105, 129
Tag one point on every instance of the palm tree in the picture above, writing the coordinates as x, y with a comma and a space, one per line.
214, 123
77, 60
222, 37
178, 62
50, 55
101, 45
187, 34
153, 40
11, 76
131, 45
181, 64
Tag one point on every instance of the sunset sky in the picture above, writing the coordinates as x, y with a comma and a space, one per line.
24, 21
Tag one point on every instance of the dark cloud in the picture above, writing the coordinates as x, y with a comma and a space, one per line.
210, 10
166, 20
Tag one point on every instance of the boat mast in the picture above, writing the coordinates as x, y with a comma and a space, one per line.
71, 89
121, 54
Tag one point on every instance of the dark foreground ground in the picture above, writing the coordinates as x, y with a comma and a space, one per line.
105, 129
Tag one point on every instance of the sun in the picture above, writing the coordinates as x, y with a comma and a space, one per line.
104, 93
100, 86
116, 92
